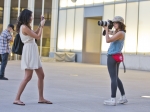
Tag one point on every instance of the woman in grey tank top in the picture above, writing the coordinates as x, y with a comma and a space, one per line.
116, 45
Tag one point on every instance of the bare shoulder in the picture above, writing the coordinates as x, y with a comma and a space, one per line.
24, 27
120, 34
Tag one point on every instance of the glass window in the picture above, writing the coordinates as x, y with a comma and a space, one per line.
78, 32
71, 4
63, 3
120, 10
70, 29
98, 2
144, 28
108, 14
23, 5
37, 17
1, 14
14, 11
62, 30
47, 28
132, 25
79, 3
88, 2
108, 1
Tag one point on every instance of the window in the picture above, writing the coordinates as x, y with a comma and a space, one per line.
132, 26
47, 28
37, 17
23, 5
1, 14
144, 28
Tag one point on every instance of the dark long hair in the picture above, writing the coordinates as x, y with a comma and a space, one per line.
122, 27
24, 18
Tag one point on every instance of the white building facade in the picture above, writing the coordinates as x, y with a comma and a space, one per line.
78, 30
72, 27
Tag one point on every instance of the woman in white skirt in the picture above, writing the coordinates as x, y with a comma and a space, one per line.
30, 57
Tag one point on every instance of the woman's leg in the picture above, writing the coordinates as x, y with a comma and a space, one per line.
120, 85
112, 68
40, 75
123, 98
27, 78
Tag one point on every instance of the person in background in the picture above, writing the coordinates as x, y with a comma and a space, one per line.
5, 39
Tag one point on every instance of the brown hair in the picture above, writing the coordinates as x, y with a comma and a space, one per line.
24, 18
122, 27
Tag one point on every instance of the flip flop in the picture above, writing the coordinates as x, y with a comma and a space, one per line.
46, 102
19, 103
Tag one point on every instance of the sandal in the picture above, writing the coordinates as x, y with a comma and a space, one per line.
19, 103
45, 102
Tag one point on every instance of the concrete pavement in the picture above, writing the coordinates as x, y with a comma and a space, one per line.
74, 87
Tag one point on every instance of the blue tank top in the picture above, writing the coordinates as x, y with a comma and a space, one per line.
116, 46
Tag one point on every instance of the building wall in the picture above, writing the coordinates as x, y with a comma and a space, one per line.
135, 13
70, 26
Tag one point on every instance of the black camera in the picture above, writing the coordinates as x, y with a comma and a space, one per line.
108, 23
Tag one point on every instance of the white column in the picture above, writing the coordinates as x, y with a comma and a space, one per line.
19, 1
43, 1
31, 7
54, 23
6, 17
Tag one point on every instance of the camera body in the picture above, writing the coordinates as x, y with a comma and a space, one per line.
108, 23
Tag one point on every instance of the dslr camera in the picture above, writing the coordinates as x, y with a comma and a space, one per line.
108, 23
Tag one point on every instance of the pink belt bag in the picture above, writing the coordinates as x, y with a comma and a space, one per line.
119, 58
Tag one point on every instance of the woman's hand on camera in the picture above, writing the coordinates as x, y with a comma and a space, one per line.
105, 27
42, 22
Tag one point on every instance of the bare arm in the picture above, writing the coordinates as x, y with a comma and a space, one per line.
117, 36
37, 30
31, 33
27, 31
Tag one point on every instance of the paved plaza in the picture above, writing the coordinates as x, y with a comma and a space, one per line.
74, 87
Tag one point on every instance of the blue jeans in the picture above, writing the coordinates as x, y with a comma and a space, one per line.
3, 63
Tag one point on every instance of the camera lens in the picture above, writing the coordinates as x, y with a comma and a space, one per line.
105, 23
102, 23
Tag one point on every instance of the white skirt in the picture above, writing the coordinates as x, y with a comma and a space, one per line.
30, 57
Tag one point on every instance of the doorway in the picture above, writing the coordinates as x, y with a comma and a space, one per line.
92, 40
